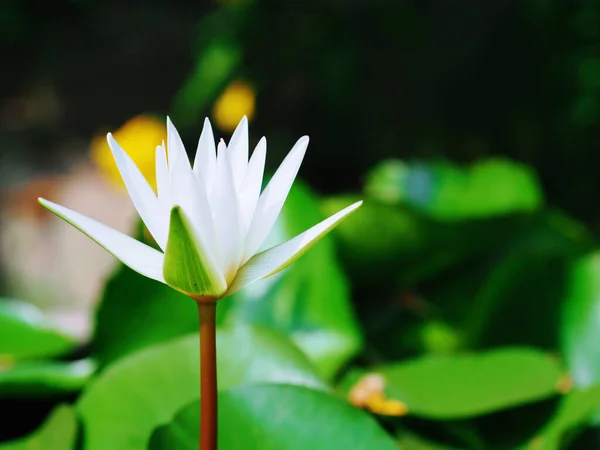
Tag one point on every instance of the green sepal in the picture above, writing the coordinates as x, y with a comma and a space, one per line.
188, 266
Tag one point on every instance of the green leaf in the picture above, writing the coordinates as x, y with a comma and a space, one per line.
144, 390
575, 411
580, 330
310, 301
59, 432
186, 266
25, 333
135, 312
277, 417
45, 378
445, 191
467, 385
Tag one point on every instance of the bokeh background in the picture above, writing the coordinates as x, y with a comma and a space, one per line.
470, 128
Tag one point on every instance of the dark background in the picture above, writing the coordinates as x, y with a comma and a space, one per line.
366, 80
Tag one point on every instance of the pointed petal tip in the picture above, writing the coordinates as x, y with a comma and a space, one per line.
301, 145
273, 197
349, 209
112, 142
170, 125
47, 204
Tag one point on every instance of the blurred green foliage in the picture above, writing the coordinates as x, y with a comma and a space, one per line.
469, 280
24, 333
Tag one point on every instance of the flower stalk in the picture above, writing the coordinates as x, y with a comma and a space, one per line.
207, 313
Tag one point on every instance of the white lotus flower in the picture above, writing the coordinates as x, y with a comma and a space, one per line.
209, 220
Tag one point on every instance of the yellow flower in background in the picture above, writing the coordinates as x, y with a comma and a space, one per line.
236, 101
139, 136
368, 393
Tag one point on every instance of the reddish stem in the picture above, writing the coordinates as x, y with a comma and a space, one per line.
208, 376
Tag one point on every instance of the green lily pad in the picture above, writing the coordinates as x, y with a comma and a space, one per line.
445, 191
580, 330
277, 417
59, 432
136, 312
25, 333
45, 378
144, 390
466, 385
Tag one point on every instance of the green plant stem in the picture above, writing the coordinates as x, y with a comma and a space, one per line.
208, 376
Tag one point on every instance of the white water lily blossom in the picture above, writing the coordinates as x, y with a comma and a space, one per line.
209, 220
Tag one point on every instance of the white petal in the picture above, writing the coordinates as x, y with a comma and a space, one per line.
162, 172
227, 216
273, 197
250, 192
134, 254
142, 195
277, 258
238, 152
178, 159
205, 163
187, 191
163, 190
